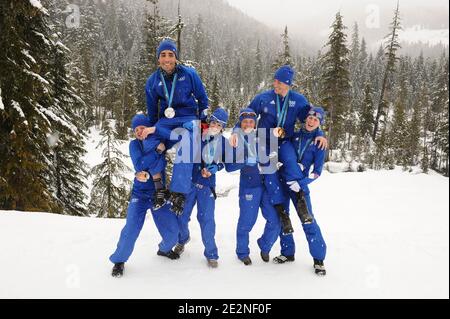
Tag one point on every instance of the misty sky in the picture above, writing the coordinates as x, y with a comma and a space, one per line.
310, 19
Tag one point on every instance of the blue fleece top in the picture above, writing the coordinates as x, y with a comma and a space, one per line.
190, 98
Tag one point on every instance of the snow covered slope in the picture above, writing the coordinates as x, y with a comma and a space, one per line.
387, 234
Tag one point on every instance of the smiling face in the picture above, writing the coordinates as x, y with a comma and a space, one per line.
215, 128
248, 125
280, 88
138, 132
167, 61
312, 123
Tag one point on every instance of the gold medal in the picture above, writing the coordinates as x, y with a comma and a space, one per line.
279, 132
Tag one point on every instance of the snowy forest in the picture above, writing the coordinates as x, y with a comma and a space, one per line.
69, 65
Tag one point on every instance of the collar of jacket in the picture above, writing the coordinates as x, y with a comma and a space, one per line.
308, 134
169, 77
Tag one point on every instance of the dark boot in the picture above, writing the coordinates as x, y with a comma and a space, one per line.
246, 260
265, 257
117, 270
302, 209
283, 259
179, 248
213, 263
319, 267
171, 254
286, 225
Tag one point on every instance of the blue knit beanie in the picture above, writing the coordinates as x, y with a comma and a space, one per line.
167, 45
247, 113
220, 115
318, 112
285, 74
140, 120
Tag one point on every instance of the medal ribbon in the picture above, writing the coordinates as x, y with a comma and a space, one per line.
169, 98
281, 114
302, 150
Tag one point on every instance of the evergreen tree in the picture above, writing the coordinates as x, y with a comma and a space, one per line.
83, 42
440, 106
233, 112
238, 76
156, 28
391, 58
399, 129
425, 163
336, 82
199, 42
25, 115
215, 96
413, 137
128, 105
68, 169
110, 190
366, 115
258, 70
363, 63
284, 56
354, 54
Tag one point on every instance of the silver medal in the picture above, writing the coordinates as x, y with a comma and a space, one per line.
169, 112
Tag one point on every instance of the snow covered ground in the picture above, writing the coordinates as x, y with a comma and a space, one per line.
387, 234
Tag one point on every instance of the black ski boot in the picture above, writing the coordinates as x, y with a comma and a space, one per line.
265, 257
246, 260
286, 224
179, 248
319, 267
283, 259
177, 200
117, 270
213, 263
171, 254
160, 198
303, 210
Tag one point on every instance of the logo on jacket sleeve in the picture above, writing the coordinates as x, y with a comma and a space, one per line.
248, 197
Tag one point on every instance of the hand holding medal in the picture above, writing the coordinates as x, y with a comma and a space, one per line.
279, 131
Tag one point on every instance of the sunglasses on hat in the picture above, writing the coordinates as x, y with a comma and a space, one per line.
248, 114
316, 114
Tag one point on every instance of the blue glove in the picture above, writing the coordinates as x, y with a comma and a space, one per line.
213, 168
189, 125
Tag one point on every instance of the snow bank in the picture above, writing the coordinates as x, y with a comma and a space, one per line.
387, 234
344, 167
